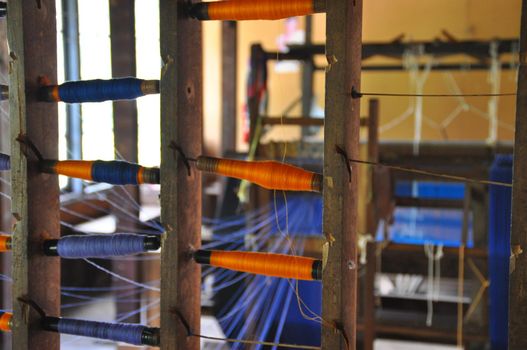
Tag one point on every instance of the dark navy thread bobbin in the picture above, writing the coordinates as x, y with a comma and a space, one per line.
115, 172
125, 332
100, 90
5, 162
100, 246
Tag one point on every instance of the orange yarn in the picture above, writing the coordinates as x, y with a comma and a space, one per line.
270, 174
259, 9
80, 169
5, 322
140, 178
5, 243
276, 265
55, 93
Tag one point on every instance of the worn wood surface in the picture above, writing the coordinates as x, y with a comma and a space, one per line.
229, 64
122, 38
518, 277
5, 186
342, 123
35, 200
181, 122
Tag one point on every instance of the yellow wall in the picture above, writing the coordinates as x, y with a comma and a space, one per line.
383, 20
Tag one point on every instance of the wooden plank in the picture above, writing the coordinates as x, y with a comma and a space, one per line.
425, 333
181, 122
342, 123
122, 38
308, 70
428, 202
369, 295
229, 64
5, 187
32, 41
300, 121
447, 251
373, 156
518, 276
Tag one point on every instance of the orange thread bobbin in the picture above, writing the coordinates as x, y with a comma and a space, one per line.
259, 9
268, 264
268, 174
5, 322
5, 243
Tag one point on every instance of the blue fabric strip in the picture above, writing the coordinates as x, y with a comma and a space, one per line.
100, 246
115, 172
100, 90
125, 332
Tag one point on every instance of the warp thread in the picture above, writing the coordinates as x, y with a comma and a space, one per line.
125, 332
100, 246
99, 90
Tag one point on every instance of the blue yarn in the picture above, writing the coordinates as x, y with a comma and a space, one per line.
125, 332
116, 172
100, 90
5, 162
100, 246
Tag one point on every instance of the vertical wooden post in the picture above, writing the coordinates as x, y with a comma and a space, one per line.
373, 156
308, 70
35, 200
229, 65
122, 35
5, 203
369, 295
518, 277
181, 122
342, 123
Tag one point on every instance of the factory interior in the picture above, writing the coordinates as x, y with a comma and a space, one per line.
263, 174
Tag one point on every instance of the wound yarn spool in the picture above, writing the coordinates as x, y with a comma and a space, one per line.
99, 90
115, 172
268, 264
235, 10
268, 174
5, 162
5, 243
123, 332
100, 246
6, 321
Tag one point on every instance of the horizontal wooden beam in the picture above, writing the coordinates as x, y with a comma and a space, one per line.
428, 202
301, 121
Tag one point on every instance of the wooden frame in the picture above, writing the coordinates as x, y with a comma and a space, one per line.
181, 122
35, 200
342, 123
518, 276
